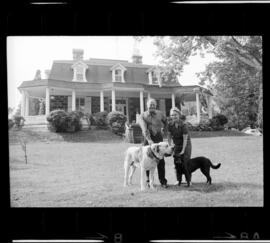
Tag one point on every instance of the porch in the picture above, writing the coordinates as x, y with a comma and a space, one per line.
38, 102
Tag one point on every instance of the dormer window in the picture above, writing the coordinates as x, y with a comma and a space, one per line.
79, 70
118, 72
153, 76
118, 75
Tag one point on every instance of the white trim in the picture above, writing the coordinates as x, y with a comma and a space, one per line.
73, 101
47, 101
141, 102
113, 100
26, 104
173, 100
75, 66
101, 100
118, 66
150, 78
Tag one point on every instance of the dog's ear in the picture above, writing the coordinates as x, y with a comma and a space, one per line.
149, 153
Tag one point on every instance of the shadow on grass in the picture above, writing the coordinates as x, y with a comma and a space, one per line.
44, 135
215, 187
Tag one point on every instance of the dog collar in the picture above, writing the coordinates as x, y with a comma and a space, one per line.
154, 154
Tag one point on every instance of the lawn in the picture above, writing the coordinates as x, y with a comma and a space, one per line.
86, 170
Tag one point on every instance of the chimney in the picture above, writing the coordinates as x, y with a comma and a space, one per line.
47, 73
37, 75
77, 54
136, 57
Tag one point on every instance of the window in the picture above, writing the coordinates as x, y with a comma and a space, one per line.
154, 78
79, 71
118, 71
80, 104
118, 75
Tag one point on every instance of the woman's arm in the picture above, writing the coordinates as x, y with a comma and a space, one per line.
185, 138
169, 135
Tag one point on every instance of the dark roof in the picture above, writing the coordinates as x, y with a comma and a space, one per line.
99, 71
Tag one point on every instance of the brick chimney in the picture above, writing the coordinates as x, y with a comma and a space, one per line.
77, 54
136, 57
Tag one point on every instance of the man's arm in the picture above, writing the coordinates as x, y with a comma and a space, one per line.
165, 125
145, 131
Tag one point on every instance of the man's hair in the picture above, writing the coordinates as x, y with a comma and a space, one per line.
150, 101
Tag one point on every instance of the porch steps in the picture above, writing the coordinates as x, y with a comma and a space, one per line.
35, 121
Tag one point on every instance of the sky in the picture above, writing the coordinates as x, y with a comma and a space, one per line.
25, 55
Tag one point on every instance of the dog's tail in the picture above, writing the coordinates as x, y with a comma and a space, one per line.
215, 166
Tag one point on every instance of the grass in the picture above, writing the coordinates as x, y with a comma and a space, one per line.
86, 170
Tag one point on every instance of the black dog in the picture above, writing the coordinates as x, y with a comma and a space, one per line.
191, 165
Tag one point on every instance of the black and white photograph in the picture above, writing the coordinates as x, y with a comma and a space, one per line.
135, 121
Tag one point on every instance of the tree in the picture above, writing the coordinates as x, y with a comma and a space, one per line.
244, 52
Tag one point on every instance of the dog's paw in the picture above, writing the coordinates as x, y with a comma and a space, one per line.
153, 188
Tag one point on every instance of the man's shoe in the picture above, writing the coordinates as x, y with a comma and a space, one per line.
164, 185
176, 183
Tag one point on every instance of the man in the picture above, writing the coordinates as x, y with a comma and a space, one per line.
151, 122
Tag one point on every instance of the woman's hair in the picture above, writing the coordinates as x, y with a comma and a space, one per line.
175, 109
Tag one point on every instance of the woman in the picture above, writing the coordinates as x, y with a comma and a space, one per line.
178, 132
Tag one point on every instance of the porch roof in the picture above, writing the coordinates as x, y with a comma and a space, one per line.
106, 86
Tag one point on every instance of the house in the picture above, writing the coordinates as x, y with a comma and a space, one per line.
94, 85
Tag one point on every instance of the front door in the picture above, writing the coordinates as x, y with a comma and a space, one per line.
120, 105
80, 104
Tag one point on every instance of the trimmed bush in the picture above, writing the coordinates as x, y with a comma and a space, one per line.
19, 121
101, 119
62, 121
74, 121
10, 123
218, 122
117, 122
58, 121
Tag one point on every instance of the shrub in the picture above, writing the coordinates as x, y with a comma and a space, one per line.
117, 122
101, 119
10, 123
19, 121
218, 122
58, 121
74, 121
62, 121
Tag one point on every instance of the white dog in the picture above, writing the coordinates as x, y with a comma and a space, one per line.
147, 158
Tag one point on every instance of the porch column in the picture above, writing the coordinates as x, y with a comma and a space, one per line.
73, 104
26, 104
113, 100
198, 106
173, 100
210, 107
47, 102
101, 100
23, 103
141, 102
